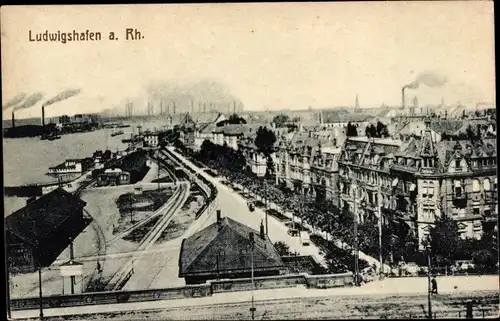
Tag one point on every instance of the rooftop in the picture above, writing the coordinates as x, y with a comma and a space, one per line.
229, 242
43, 216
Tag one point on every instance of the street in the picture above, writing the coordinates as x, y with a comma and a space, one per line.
234, 206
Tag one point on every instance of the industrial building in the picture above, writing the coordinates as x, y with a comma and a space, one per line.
38, 233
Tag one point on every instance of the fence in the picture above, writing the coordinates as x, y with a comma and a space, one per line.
189, 291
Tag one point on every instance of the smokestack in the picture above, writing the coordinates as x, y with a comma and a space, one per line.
13, 120
219, 217
262, 234
43, 116
403, 97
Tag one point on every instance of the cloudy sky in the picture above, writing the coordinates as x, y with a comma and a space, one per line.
270, 56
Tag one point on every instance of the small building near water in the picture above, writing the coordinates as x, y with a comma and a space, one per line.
38, 233
74, 166
224, 250
112, 177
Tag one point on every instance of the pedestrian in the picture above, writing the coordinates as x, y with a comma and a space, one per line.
434, 285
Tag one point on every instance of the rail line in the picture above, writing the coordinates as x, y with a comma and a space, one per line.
125, 272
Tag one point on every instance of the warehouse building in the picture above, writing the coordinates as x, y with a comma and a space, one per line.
39, 232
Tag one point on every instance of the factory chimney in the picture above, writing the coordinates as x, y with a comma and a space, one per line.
43, 116
13, 120
403, 98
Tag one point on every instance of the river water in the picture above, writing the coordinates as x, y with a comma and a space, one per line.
27, 160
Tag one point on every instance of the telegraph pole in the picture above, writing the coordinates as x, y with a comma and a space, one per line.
252, 309
71, 258
356, 253
379, 199
7, 274
40, 289
429, 303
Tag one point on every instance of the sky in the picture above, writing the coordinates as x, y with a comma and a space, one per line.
270, 56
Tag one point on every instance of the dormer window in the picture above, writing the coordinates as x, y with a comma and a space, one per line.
457, 164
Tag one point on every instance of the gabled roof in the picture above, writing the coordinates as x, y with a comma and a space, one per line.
43, 216
200, 253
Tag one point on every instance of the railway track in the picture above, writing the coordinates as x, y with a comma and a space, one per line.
125, 271
147, 219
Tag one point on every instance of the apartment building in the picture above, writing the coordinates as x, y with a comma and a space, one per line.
417, 181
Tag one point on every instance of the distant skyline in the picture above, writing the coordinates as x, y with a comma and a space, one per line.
269, 56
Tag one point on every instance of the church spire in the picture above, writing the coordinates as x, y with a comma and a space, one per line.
357, 102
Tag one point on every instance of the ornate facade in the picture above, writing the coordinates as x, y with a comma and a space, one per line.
420, 180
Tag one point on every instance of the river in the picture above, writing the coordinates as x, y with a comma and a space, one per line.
27, 160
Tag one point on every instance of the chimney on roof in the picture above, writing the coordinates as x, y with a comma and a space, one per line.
262, 234
219, 218
13, 120
251, 237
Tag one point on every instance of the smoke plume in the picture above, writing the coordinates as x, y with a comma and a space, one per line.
30, 101
429, 79
62, 96
14, 101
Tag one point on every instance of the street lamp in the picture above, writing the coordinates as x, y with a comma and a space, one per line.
40, 290
263, 175
356, 251
252, 243
7, 274
429, 277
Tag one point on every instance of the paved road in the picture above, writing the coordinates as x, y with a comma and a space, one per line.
234, 206
403, 294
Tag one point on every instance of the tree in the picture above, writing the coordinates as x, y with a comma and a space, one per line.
281, 119
234, 119
370, 131
282, 248
351, 130
265, 141
382, 130
444, 241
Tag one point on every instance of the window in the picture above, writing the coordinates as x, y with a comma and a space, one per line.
458, 188
475, 210
486, 184
457, 164
475, 186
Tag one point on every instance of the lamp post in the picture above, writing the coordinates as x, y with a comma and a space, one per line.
7, 275
356, 252
263, 175
429, 278
252, 309
379, 199
40, 290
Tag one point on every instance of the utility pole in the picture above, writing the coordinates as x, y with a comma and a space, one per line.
252, 242
265, 203
7, 275
379, 199
429, 279
158, 175
40, 289
71, 258
356, 253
